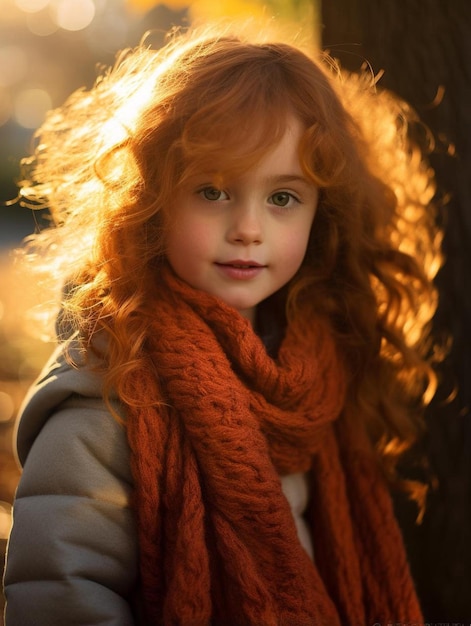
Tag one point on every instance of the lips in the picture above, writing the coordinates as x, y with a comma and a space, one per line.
240, 269
241, 264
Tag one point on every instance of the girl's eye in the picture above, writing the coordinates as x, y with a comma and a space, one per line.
283, 199
212, 194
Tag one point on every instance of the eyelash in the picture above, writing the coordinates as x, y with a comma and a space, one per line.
290, 195
202, 192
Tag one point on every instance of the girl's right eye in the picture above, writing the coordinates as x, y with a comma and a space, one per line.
212, 194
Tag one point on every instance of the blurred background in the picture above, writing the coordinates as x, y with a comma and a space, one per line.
422, 49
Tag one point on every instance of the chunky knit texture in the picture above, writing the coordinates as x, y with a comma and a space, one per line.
220, 421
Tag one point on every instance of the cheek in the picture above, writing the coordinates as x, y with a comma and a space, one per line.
189, 239
295, 246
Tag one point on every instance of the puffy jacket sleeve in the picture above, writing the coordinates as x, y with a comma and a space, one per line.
72, 554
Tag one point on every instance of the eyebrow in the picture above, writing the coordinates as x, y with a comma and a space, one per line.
289, 178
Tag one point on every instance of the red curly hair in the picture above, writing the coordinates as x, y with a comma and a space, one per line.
108, 164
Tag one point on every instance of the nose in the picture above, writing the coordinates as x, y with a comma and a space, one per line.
245, 226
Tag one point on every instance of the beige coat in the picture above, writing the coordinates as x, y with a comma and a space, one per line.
73, 556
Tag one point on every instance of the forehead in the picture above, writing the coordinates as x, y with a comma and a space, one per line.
283, 156
233, 152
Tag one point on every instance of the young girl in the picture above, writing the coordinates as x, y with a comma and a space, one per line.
246, 243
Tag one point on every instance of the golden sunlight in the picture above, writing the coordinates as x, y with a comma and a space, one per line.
207, 9
141, 6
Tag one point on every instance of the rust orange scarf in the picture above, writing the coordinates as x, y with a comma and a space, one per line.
222, 422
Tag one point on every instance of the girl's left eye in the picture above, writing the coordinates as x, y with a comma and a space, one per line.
213, 194
283, 199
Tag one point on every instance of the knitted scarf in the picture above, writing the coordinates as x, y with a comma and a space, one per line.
220, 422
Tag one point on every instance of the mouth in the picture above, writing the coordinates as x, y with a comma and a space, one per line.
241, 264
240, 270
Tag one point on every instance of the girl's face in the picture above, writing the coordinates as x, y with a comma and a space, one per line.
245, 241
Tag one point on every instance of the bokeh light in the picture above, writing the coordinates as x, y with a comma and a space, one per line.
7, 406
30, 107
31, 6
13, 65
73, 14
41, 23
